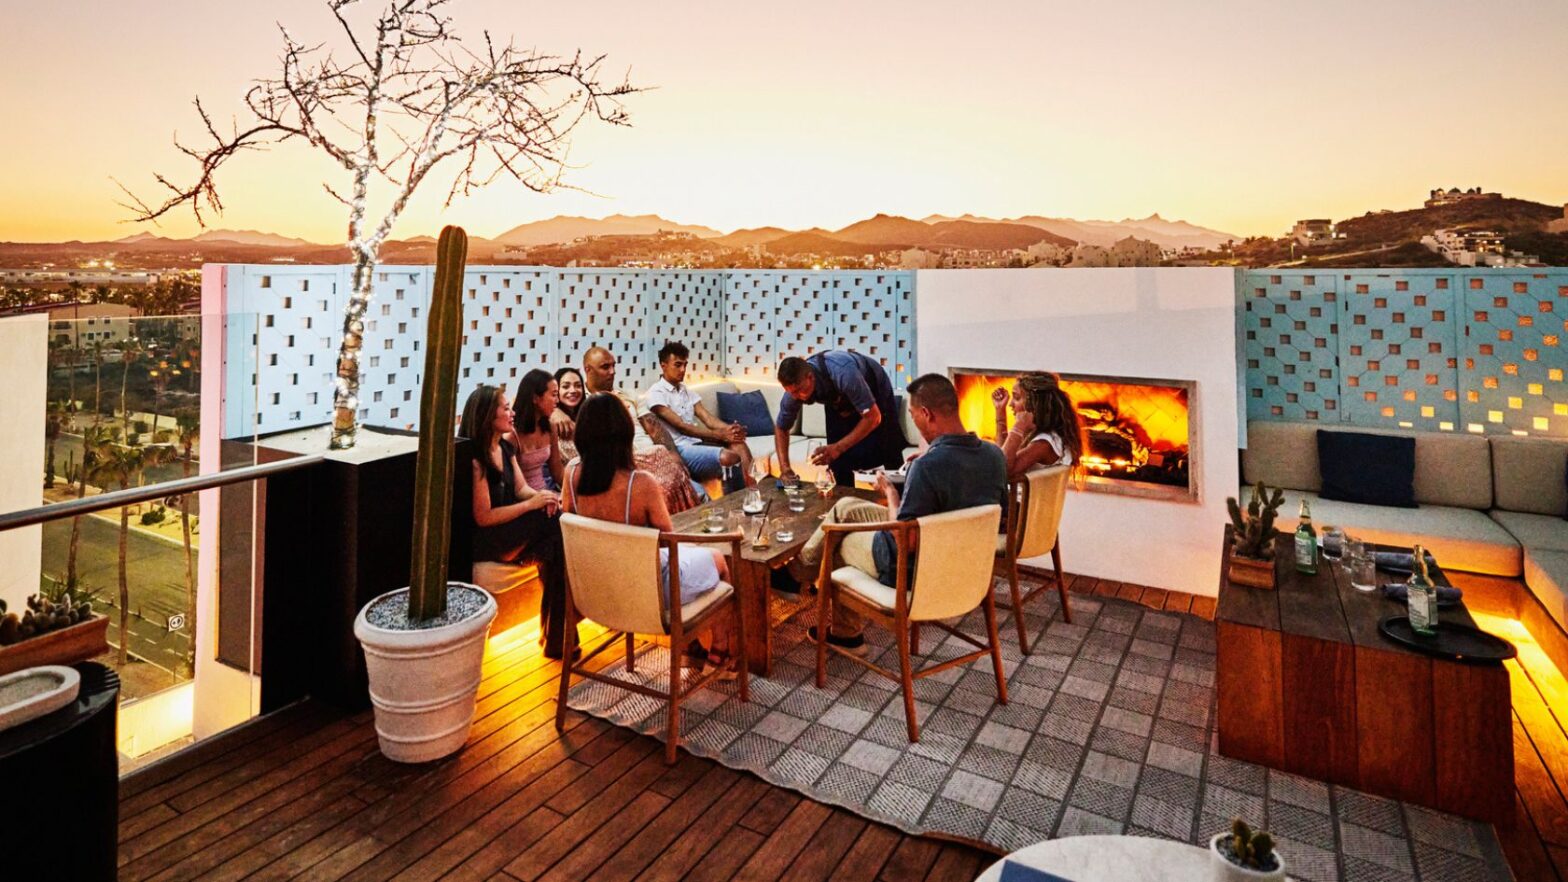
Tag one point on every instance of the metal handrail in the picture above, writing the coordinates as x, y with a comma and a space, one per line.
28, 517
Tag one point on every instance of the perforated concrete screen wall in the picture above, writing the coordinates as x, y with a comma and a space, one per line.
1442, 350
515, 319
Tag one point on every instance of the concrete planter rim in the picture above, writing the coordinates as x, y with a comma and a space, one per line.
1227, 869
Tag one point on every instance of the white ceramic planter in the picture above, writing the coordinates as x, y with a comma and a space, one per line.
1225, 871
423, 683
29, 694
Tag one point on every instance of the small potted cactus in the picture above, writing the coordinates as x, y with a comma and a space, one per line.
424, 644
1252, 537
1242, 854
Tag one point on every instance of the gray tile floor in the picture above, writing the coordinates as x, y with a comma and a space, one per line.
1109, 729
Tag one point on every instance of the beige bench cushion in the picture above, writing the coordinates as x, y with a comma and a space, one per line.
1528, 474
1546, 575
1452, 470
1462, 539
1534, 530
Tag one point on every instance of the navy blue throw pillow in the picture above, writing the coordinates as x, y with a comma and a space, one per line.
1370, 469
749, 409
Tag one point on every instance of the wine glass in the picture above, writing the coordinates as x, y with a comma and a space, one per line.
759, 468
825, 481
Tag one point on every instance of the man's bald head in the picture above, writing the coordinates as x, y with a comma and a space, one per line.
599, 369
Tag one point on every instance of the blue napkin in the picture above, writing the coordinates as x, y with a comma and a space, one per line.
1399, 561
1400, 591
1016, 872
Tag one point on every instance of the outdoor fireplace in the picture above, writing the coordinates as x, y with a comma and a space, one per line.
1139, 436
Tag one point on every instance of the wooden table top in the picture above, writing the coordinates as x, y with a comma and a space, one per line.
1323, 606
803, 523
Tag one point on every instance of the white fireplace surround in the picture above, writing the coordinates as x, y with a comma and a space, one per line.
1138, 322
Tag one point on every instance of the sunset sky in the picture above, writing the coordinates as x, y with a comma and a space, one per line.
1241, 116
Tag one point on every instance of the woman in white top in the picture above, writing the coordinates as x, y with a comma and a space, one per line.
1046, 430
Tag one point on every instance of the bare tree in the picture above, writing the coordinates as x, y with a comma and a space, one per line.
408, 96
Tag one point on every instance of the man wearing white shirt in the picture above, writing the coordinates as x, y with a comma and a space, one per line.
706, 444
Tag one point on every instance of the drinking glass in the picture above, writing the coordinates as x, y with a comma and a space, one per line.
755, 525
1360, 565
759, 468
797, 502
783, 532
1334, 542
825, 481
715, 521
753, 501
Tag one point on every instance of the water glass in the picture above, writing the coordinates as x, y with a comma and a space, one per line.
797, 502
755, 526
714, 522
753, 501
825, 482
1360, 565
1333, 541
783, 532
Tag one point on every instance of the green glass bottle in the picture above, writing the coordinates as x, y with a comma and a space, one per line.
1306, 543
1421, 597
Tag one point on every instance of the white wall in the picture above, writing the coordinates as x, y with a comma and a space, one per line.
1175, 323
24, 363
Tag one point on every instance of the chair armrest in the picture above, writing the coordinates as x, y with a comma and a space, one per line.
897, 527
700, 538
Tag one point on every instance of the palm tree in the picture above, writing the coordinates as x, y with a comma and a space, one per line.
54, 421
189, 424
127, 463
95, 443
127, 355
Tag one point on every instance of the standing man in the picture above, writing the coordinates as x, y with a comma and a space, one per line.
862, 417
707, 444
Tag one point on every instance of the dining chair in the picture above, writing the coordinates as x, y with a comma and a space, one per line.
1034, 520
613, 579
951, 575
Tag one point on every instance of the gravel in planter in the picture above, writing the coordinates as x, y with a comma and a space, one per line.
391, 612
1229, 851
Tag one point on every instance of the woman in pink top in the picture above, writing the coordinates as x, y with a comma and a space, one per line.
538, 452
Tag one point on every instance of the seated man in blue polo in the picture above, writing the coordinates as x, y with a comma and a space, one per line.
706, 444
862, 416
958, 470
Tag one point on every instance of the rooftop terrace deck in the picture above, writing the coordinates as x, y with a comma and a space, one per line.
304, 793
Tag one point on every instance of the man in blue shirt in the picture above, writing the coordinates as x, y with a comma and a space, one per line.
957, 470
862, 417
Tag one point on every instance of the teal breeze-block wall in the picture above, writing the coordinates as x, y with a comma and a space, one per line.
1471, 350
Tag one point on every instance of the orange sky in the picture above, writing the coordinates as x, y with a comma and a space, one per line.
1238, 116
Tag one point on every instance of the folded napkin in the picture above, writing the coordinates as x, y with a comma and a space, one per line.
1012, 871
1402, 561
1447, 595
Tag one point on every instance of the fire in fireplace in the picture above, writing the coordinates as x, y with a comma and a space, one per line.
1138, 436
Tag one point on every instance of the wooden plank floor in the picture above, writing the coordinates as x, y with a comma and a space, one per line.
305, 794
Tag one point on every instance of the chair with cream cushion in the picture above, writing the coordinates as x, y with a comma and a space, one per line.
1034, 520
606, 584
954, 553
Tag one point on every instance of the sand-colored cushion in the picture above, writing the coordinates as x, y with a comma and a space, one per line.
709, 391
499, 578
1528, 474
814, 421
1451, 470
690, 611
1461, 538
1546, 575
1283, 455
866, 587
1545, 532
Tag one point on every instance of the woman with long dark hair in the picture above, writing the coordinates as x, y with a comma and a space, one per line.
606, 484
515, 522
571, 391
1046, 430
537, 451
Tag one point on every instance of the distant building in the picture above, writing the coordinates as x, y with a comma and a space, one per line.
81, 276
980, 258
1560, 225
1440, 197
83, 325
1135, 252
1314, 231
1046, 253
1475, 248
918, 258
1090, 255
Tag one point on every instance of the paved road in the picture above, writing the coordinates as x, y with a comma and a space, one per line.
155, 573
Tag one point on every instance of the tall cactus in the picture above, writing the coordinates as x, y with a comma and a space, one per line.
1254, 528
433, 472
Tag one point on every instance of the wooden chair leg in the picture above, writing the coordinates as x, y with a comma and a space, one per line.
903, 636
914, 639
996, 649
824, 622
742, 669
1061, 583
672, 738
1018, 606
631, 653
569, 645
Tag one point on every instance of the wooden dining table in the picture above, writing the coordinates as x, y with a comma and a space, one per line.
763, 607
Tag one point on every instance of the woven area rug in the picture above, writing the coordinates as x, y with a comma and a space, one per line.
1109, 729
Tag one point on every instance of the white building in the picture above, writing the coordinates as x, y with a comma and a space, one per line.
1090, 255
918, 258
1046, 253
1135, 252
1313, 231
1475, 248
82, 325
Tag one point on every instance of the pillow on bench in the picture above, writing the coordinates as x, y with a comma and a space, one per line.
1369, 469
750, 409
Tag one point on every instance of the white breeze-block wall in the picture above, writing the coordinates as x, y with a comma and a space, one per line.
284, 322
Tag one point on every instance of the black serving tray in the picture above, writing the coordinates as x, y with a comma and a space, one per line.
1457, 642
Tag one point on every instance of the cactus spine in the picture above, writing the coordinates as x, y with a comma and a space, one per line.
1254, 529
433, 473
